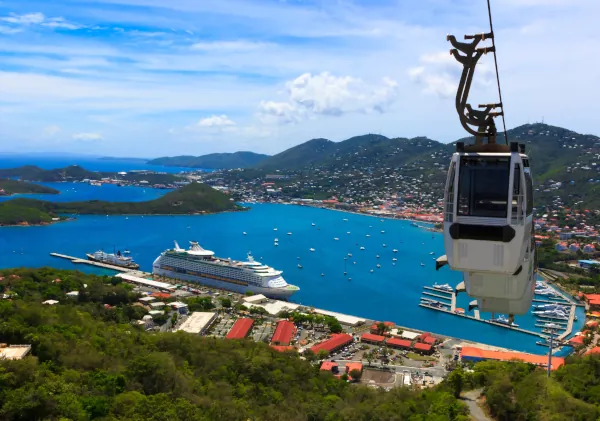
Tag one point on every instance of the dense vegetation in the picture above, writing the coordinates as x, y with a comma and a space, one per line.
190, 199
89, 362
212, 161
12, 214
17, 187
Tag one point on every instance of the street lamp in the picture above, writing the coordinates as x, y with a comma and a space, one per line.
552, 327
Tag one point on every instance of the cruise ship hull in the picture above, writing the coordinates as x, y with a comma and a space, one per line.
276, 293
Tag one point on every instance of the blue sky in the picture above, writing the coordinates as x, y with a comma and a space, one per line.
167, 77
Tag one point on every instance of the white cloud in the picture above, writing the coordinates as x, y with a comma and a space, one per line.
439, 74
26, 19
87, 137
6, 30
228, 46
39, 19
51, 130
216, 121
326, 94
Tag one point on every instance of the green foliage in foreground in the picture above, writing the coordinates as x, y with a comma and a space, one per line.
192, 198
90, 362
16, 187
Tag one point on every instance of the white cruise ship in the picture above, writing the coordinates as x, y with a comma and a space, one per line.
199, 265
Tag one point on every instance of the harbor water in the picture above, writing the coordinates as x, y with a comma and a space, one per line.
390, 292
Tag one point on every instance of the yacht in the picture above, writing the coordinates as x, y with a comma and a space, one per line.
313, 224
312, 249
299, 266
394, 259
244, 233
368, 235
383, 232
114, 259
378, 265
395, 251
197, 264
504, 320
444, 287
289, 233
384, 245
362, 248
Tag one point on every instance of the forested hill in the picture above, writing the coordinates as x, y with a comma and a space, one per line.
20, 187
91, 361
193, 198
212, 161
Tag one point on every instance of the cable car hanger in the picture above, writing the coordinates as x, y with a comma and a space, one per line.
483, 120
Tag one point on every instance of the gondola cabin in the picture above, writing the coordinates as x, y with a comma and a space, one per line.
488, 208
517, 306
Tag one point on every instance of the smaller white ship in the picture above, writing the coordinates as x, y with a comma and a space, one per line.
384, 245
312, 249
394, 259
274, 229
383, 232
378, 265
115, 259
313, 224
336, 239
244, 233
377, 256
362, 248
368, 235
289, 233
444, 287
395, 251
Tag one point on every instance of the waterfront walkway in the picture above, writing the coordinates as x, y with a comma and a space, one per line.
77, 260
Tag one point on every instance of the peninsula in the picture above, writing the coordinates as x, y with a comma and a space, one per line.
9, 187
191, 199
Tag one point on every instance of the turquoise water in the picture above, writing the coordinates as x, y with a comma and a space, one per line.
71, 192
390, 293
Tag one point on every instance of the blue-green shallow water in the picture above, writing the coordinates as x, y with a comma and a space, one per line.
390, 293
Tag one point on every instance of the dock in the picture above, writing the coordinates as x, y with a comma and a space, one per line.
569, 329
518, 329
78, 260
431, 294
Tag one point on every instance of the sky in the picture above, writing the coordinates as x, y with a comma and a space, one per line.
148, 78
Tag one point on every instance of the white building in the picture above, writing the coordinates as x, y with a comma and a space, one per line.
198, 322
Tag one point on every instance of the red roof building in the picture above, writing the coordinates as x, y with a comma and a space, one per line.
375, 330
576, 340
281, 348
371, 338
284, 332
240, 329
330, 366
353, 366
399, 343
424, 348
337, 341
430, 340
422, 336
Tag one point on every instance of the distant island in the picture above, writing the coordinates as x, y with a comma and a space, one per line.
9, 187
76, 173
223, 161
117, 158
191, 199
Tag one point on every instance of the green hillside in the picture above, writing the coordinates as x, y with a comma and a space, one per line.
19, 187
212, 161
33, 173
14, 214
300, 156
191, 199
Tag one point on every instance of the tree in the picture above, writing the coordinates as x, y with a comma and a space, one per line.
322, 354
225, 302
248, 293
310, 355
355, 374
455, 381
369, 357
381, 328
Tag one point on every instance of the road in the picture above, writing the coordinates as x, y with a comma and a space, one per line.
434, 371
470, 398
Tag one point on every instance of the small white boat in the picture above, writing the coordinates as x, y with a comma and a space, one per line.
345, 219
372, 271
276, 240
312, 249
384, 245
394, 259
289, 233
383, 232
274, 229
422, 264
432, 253
377, 256
368, 235
378, 266
395, 251
244, 233
350, 254
276, 244
322, 274
313, 224
336, 239
299, 266
362, 248
348, 233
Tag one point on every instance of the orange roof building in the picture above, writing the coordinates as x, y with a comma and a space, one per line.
371, 338
282, 348
337, 341
469, 353
353, 366
424, 348
593, 299
374, 328
284, 332
593, 351
399, 343
240, 328
329, 366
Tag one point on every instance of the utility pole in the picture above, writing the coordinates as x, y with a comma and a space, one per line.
550, 326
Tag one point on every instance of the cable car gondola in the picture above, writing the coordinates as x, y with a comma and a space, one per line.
488, 200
